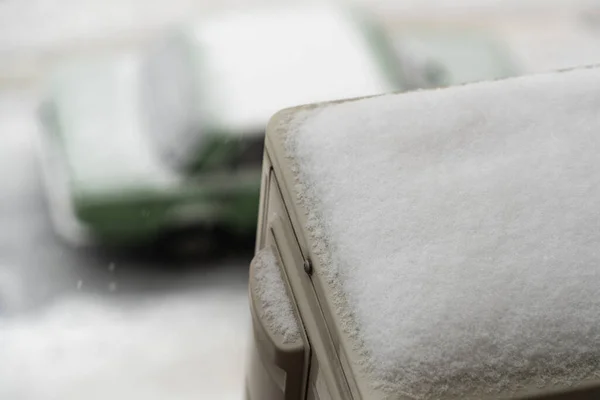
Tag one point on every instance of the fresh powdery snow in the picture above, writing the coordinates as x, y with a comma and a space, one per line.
461, 230
276, 307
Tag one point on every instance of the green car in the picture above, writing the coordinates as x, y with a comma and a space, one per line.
168, 146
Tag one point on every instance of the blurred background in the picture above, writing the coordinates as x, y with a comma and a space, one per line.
100, 295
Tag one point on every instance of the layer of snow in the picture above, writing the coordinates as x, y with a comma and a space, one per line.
190, 346
11, 291
16, 124
276, 307
99, 111
459, 230
260, 62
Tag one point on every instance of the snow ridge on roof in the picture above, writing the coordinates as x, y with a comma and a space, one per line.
277, 309
459, 231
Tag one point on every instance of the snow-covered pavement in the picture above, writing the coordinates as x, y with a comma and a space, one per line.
187, 346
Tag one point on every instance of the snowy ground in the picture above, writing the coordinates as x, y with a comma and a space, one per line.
185, 346
73, 328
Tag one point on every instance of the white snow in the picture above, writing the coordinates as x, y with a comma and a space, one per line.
98, 106
262, 61
190, 346
16, 124
11, 291
276, 307
459, 230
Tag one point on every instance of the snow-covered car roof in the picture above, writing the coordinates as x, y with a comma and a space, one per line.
252, 64
459, 230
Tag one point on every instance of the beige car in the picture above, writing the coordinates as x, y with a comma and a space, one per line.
432, 245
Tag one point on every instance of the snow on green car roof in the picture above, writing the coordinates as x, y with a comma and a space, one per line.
257, 64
